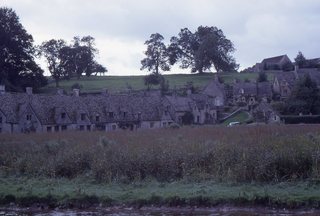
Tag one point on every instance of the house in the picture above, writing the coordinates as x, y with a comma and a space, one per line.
28, 112
251, 93
274, 63
265, 113
283, 83
196, 108
216, 90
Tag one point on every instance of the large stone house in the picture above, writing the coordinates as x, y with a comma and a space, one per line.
282, 62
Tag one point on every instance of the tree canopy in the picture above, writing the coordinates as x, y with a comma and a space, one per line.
74, 60
206, 48
18, 68
157, 57
300, 60
304, 98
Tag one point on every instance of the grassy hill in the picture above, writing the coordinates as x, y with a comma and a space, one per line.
120, 83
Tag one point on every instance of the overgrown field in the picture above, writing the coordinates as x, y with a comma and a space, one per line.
238, 154
121, 83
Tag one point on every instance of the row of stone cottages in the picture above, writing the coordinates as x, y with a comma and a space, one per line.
28, 112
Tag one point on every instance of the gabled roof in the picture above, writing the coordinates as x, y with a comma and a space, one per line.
274, 60
180, 104
214, 89
286, 77
247, 87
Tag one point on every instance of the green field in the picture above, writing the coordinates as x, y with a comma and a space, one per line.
121, 83
241, 117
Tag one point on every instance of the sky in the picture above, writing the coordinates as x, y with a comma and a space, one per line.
257, 28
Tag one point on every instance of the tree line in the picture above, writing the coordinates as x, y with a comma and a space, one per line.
18, 67
205, 49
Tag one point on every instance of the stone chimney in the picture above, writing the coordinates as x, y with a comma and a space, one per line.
2, 89
29, 90
76, 92
60, 92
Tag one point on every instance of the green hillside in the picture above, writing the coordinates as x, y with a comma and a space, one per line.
120, 83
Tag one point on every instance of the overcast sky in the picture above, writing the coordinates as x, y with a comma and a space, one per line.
258, 28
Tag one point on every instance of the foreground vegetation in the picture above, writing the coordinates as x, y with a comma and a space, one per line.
267, 164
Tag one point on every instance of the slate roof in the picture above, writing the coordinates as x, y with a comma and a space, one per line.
214, 89
264, 89
274, 60
48, 107
248, 88
289, 77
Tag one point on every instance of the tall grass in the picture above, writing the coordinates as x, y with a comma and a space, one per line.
241, 154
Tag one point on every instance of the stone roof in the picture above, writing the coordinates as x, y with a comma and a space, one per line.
288, 77
48, 107
264, 89
247, 87
274, 60
214, 89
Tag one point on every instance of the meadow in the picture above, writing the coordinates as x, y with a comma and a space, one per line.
268, 164
121, 83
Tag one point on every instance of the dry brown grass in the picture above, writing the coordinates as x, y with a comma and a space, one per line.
264, 153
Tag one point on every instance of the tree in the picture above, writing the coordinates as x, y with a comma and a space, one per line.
300, 60
153, 79
206, 48
18, 68
78, 58
51, 50
304, 98
156, 53
262, 77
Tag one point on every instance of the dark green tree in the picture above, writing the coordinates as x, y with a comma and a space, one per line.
18, 68
262, 77
51, 50
301, 61
153, 79
156, 53
206, 48
304, 98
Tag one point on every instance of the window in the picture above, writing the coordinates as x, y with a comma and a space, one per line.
63, 115
166, 112
124, 114
64, 127
49, 129
151, 124
81, 127
0, 130
88, 127
97, 118
0, 119
164, 124
83, 117
28, 117
56, 128
198, 119
139, 115
111, 115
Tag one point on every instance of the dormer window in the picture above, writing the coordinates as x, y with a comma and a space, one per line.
63, 115
97, 118
83, 116
28, 117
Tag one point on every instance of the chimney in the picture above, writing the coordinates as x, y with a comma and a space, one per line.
29, 90
76, 92
105, 91
2, 89
60, 92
